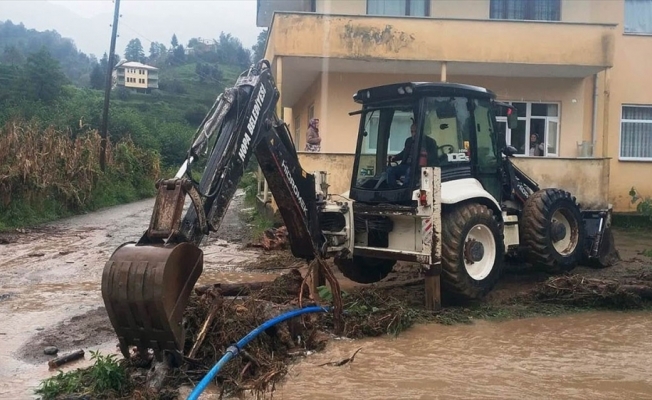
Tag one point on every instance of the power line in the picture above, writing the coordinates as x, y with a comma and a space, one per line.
137, 33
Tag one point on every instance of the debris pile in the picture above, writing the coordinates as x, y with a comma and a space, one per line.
215, 322
580, 291
274, 239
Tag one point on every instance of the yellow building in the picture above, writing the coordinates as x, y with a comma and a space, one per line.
136, 76
577, 70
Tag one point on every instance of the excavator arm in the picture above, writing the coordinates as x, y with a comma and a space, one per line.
146, 285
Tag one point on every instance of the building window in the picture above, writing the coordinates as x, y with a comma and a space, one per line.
311, 111
297, 129
638, 16
537, 10
541, 119
636, 133
415, 8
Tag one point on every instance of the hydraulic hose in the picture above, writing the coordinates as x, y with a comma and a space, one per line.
233, 350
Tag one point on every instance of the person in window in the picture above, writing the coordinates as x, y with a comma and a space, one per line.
429, 148
537, 149
313, 140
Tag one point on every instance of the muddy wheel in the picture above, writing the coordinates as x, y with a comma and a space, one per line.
552, 230
365, 269
472, 251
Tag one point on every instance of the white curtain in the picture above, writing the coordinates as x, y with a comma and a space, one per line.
638, 16
386, 7
636, 132
396, 7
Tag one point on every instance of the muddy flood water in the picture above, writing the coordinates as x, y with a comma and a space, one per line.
583, 356
50, 296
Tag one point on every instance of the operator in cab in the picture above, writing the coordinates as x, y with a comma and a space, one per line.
428, 153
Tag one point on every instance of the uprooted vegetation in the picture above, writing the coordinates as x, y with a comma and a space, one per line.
220, 315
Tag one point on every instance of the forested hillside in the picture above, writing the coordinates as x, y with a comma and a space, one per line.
51, 97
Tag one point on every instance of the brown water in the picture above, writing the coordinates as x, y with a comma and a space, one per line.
583, 356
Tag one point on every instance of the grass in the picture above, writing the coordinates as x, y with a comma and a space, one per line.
205, 92
258, 220
106, 378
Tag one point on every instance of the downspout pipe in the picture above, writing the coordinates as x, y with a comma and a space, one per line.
594, 120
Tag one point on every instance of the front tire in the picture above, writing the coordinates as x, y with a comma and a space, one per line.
365, 269
472, 251
552, 230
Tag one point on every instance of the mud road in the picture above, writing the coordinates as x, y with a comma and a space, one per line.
50, 296
50, 286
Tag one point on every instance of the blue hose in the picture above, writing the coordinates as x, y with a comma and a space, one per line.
233, 350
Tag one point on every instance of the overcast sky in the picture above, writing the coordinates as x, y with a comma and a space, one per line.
87, 22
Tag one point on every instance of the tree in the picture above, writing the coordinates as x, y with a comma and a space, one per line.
231, 51
156, 50
208, 72
42, 77
12, 56
178, 55
134, 51
259, 47
193, 42
175, 41
97, 77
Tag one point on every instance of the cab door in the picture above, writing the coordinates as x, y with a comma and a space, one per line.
486, 158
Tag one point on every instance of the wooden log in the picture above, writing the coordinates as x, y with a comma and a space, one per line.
215, 307
59, 361
232, 289
644, 291
394, 284
433, 288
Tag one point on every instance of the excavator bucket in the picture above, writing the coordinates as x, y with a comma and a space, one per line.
146, 285
146, 288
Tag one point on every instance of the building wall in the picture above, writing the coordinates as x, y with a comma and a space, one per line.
628, 82
338, 130
584, 183
135, 78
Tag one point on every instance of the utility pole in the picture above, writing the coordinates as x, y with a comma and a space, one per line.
107, 88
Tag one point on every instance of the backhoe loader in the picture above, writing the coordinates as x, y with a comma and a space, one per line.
457, 211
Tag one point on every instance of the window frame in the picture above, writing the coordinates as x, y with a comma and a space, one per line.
426, 11
631, 33
529, 11
369, 150
528, 118
297, 129
620, 131
311, 111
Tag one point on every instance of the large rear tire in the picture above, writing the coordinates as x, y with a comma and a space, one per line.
473, 251
552, 230
365, 269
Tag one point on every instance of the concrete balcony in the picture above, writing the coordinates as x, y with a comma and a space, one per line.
469, 47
